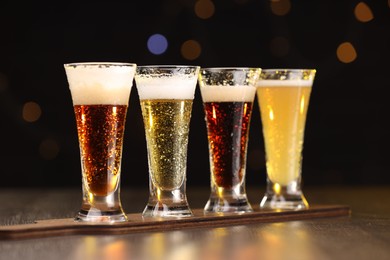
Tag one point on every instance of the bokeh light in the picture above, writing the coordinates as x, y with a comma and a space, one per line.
363, 12
49, 149
346, 52
280, 7
157, 44
279, 46
204, 9
31, 112
191, 50
3, 82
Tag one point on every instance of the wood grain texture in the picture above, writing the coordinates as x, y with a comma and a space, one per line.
136, 223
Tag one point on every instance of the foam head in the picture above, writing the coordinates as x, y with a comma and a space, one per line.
218, 93
100, 83
284, 83
154, 84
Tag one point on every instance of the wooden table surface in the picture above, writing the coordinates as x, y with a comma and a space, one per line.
365, 234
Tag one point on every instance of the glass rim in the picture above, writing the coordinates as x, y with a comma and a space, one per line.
288, 69
167, 66
231, 68
104, 63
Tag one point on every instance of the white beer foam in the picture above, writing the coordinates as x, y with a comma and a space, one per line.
100, 85
284, 83
165, 88
237, 93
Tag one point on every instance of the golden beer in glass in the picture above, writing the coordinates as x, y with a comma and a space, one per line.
283, 96
166, 94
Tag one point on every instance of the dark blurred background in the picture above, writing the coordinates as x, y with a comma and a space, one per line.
348, 42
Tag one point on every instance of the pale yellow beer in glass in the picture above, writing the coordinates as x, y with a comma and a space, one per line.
283, 97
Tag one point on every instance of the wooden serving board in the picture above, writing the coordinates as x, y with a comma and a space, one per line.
136, 223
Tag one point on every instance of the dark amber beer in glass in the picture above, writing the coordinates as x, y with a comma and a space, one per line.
228, 95
100, 129
228, 131
100, 94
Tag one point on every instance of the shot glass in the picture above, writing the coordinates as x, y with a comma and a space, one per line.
166, 95
100, 94
228, 95
283, 96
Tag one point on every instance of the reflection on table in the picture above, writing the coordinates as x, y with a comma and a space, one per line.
363, 235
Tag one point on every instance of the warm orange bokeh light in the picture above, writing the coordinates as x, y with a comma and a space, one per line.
346, 52
191, 50
280, 7
204, 9
31, 112
363, 12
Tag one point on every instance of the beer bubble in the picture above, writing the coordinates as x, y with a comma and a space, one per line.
157, 44
167, 140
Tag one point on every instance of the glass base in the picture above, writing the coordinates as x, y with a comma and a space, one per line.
284, 197
107, 209
94, 215
228, 200
224, 205
163, 210
282, 202
165, 203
